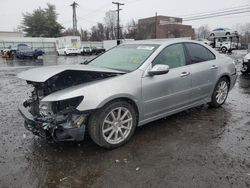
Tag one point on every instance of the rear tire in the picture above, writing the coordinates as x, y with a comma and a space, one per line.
220, 93
112, 125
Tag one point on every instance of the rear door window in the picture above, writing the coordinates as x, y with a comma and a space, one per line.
198, 53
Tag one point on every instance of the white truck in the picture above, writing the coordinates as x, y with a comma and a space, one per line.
225, 43
68, 45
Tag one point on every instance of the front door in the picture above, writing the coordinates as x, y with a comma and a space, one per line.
170, 91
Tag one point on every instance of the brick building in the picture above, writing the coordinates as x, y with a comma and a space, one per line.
163, 27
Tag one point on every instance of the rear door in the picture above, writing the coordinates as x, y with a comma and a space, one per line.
167, 92
204, 69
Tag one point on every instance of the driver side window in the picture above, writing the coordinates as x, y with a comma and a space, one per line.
173, 56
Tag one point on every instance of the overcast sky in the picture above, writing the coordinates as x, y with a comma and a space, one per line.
90, 12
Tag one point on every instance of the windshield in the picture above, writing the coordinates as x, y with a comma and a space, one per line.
126, 57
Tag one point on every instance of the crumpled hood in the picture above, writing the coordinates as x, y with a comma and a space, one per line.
44, 73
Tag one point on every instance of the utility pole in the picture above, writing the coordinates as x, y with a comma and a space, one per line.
118, 20
74, 5
156, 25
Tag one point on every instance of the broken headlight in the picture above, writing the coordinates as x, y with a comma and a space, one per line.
45, 109
67, 105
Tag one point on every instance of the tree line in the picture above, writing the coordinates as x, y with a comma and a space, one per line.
43, 23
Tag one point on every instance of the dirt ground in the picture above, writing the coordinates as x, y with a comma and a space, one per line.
201, 147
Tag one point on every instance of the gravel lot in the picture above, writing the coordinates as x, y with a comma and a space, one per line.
201, 147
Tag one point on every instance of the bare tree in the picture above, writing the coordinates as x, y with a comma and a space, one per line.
130, 30
84, 35
110, 20
100, 29
97, 32
244, 32
202, 32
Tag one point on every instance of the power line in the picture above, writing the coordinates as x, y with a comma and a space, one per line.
213, 11
133, 1
215, 15
94, 11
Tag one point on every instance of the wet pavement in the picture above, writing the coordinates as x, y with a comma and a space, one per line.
201, 147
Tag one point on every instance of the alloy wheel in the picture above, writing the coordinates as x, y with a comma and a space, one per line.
117, 125
221, 92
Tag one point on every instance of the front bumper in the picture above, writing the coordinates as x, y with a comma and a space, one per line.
48, 129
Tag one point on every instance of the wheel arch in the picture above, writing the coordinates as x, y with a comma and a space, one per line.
227, 77
128, 99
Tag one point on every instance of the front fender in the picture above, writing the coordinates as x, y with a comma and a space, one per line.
98, 93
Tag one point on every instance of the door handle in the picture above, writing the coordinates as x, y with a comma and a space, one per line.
214, 67
184, 74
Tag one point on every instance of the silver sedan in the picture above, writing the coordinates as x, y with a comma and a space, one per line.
128, 86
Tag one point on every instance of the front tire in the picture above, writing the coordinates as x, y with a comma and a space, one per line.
112, 125
220, 93
224, 50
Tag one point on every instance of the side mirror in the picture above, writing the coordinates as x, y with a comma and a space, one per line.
159, 70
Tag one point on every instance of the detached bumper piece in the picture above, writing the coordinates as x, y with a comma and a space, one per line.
48, 129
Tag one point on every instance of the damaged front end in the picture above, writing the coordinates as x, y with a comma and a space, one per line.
58, 120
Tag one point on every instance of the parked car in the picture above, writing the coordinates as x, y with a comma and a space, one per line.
7, 53
222, 32
23, 51
98, 50
86, 51
128, 86
68, 51
246, 64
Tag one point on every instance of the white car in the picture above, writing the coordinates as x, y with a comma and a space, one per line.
222, 32
68, 51
246, 64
